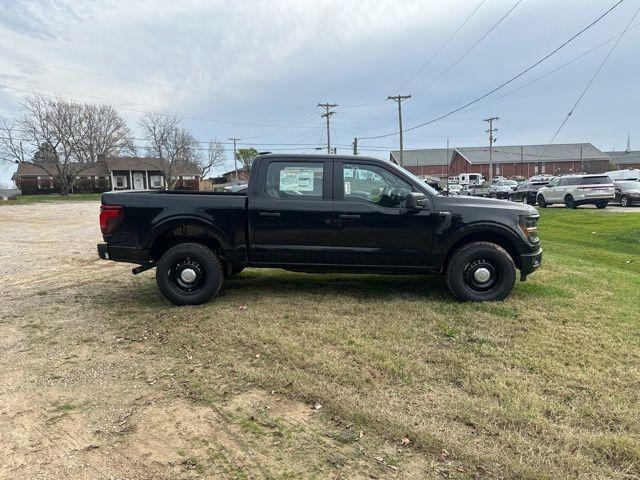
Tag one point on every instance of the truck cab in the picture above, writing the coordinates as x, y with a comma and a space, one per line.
321, 213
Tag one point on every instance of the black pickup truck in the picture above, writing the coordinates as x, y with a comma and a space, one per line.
321, 213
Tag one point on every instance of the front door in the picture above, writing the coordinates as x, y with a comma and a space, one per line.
374, 229
291, 213
138, 181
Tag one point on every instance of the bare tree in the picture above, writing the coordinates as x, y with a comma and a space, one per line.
106, 133
173, 145
215, 158
62, 137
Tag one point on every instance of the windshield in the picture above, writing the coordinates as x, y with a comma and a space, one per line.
509, 183
627, 185
417, 179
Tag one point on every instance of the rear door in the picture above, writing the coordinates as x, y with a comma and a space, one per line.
291, 213
374, 229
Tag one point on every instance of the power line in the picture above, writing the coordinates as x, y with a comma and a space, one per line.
428, 85
515, 77
560, 67
591, 80
435, 54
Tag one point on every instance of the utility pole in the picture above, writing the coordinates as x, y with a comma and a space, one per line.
581, 162
522, 161
355, 146
235, 156
398, 99
448, 164
492, 139
327, 114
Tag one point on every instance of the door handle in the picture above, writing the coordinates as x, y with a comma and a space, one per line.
348, 216
269, 214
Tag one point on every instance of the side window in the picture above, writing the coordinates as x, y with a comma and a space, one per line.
370, 183
553, 183
287, 180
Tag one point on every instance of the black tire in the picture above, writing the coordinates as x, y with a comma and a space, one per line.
468, 260
569, 202
624, 201
601, 205
542, 202
202, 262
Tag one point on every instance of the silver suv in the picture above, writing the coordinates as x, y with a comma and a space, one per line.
575, 190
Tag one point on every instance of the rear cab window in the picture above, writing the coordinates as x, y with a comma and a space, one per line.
295, 180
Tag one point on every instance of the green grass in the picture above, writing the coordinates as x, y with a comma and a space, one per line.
76, 197
543, 385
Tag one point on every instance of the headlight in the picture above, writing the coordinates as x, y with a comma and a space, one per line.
529, 227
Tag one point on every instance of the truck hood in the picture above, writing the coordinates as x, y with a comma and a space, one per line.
457, 201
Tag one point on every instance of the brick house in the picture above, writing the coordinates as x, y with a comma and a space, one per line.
627, 159
428, 161
108, 173
508, 161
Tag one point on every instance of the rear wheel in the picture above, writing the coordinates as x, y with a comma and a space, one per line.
569, 202
602, 204
481, 271
542, 202
624, 201
189, 274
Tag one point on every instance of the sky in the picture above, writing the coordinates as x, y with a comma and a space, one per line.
256, 70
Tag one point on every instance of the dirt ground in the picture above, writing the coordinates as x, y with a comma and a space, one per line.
78, 400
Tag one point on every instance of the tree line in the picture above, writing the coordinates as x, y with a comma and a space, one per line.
65, 138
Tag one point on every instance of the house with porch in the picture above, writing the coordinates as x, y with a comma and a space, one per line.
108, 173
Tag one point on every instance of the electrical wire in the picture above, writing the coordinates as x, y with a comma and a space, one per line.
591, 80
442, 47
503, 84
428, 85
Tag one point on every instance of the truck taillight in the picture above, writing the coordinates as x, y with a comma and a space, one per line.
110, 216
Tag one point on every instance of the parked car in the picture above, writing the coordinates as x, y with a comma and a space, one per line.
527, 191
476, 190
320, 213
241, 187
576, 190
454, 189
503, 188
627, 192
627, 174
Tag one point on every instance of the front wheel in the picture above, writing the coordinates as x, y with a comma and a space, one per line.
189, 274
542, 202
481, 271
624, 201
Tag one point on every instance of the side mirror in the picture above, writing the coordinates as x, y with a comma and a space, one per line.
416, 200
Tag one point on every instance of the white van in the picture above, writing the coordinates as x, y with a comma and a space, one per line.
470, 179
454, 180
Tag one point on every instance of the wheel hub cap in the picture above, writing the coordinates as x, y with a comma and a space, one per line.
188, 275
482, 275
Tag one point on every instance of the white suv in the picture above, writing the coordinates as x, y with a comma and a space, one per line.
575, 190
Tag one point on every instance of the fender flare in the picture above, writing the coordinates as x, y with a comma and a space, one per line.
503, 231
169, 223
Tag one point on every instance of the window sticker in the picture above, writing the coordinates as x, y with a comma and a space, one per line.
296, 179
347, 188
